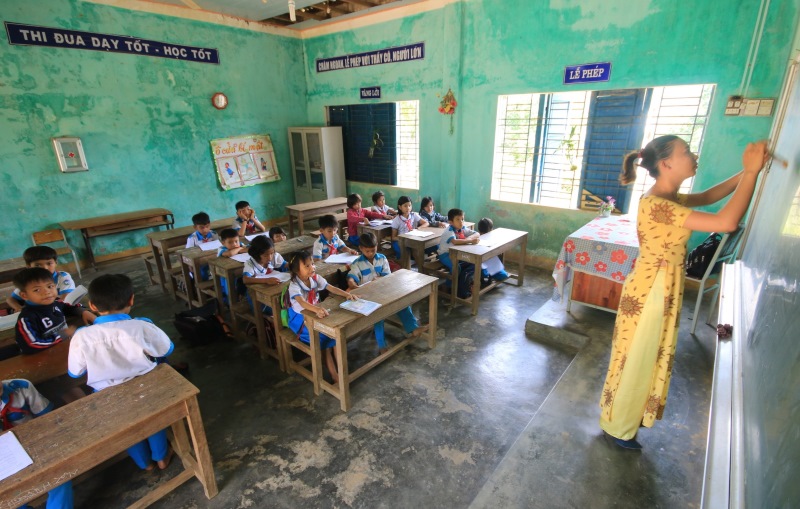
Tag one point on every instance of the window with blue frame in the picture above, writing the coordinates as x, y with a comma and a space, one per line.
381, 142
565, 149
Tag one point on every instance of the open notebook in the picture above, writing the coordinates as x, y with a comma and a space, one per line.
364, 307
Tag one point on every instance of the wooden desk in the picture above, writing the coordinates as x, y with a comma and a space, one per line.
499, 241
7, 339
418, 245
313, 209
394, 292
163, 242
10, 267
77, 437
381, 231
270, 295
192, 262
118, 223
38, 367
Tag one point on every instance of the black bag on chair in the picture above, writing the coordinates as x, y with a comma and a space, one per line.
698, 260
200, 326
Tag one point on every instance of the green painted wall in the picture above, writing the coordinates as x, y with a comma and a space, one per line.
145, 122
482, 51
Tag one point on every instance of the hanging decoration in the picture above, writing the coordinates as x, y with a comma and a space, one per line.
448, 107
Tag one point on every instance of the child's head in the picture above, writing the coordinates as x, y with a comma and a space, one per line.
485, 225
354, 201
229, 238
426, 204
456, 217
378, 198
301, 265
368, 244
328, 226
261, 249
111, 293
202, 223
242, 205
36, 285
404, 205
277, 234
44, 257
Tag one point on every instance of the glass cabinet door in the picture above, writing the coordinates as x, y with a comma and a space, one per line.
300, 172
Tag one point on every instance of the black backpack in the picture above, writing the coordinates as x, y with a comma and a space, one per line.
698, 260
200, 326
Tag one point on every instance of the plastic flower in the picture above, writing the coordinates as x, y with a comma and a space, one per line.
608, 205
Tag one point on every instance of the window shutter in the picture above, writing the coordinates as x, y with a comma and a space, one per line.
369, 133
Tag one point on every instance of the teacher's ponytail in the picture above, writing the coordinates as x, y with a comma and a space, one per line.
628, 175
657, 150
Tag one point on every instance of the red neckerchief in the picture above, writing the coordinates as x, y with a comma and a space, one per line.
409, 222
332, 249
460, 234
8, 409
312, 293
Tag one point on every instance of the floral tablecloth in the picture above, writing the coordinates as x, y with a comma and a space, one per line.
605, 247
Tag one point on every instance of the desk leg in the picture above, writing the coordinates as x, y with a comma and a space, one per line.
476, 287
344, 373
454, 282
433, 313
316, 355
159, 266
291, 224
88, 244
284, 350
205, 469
405, 262
300, 222
523, 251
188, 283
260, 328
217, 288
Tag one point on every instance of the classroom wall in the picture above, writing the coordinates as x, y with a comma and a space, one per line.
481, 50
145, 122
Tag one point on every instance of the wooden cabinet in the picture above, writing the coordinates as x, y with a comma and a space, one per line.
317, 163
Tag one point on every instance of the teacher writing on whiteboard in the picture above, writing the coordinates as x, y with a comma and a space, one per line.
646, 328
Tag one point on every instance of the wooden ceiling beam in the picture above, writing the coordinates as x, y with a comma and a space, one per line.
363, 3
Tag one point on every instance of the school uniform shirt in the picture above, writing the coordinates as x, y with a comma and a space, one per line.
195, 239
434, 218
323, 247
20, 402
383, 210
450, 233
115, 349
363, 271
251, 225
40, 327
63, 281
405, 225
354, 218
254, 269
308, 294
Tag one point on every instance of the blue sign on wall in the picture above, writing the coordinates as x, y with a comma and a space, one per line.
371, 93
377, 57
587, 73
32, 35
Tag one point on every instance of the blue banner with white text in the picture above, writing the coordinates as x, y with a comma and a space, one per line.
587, 73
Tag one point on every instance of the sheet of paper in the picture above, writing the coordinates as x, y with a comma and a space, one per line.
419, 233
8, 321
493, 265
241, 257
14, 456
210, 246
251, 237
76, 295
485, 243
379, 222
364, 307
341, 258
282, 276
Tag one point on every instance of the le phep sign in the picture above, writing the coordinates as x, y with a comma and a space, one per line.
587, 73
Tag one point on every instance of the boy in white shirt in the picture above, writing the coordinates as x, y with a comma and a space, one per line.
118, 348
202, 231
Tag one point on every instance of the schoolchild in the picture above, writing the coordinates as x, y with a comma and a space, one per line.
19, 403
42, 323
118, 348
44, 257
368, 267
379, 204
277, 234
263, 261
246, 222
405, 221
357, 214
486, 225
202, 231
329, 242
431, 216
456, 235
304, 289
230, 247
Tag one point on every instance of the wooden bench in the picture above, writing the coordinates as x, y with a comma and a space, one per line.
302, 211
77, 437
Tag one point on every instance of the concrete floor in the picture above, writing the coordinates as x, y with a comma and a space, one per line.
489, 418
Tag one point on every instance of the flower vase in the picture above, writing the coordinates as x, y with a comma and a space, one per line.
605, 213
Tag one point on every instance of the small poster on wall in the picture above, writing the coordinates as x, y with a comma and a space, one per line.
244, 161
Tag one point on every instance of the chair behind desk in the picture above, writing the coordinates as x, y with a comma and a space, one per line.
79, 436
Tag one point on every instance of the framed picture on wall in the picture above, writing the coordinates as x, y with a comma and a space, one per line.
69, 152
